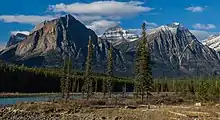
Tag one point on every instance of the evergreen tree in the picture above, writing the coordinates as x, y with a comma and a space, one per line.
191, 87
68, 74
158, 87
203, 89
110, 70
78, 86
104, 87
62, 84
137, 68
87, 87
124, 90
215, 90
165, 87
144, 79
74, 81
96, 85
63, 79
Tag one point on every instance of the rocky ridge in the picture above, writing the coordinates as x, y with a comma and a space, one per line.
213, 42
16, 38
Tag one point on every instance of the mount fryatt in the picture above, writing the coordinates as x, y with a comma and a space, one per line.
175, 51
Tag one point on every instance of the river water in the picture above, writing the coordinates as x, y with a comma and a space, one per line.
14, 100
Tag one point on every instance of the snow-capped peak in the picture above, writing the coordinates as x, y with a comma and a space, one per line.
176, 23
172, 28
118, 34
213, 42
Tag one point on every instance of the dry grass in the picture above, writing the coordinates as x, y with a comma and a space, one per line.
174, 108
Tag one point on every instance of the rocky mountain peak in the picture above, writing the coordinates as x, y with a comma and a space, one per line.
117, 35
172, 28
213, 42
175, 24
65, 34
15, 38
115, 28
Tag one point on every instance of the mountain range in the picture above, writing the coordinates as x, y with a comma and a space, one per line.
175, 51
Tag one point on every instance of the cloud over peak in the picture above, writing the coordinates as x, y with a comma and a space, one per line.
204, 26
150, 24
113, 8
26, 19
195, 9
101, 25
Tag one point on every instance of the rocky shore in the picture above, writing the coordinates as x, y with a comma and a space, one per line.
99, 110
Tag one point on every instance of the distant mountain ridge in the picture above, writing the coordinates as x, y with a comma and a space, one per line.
213, 42
117, 34
175, 51
15, 38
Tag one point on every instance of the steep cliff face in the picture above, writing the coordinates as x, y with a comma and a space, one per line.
50, 41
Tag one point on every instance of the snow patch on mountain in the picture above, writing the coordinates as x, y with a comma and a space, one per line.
117, 34
213, 42
172, 28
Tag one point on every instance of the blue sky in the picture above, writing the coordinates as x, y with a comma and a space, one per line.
202, 16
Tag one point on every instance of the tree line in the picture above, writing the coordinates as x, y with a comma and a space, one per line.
16, 78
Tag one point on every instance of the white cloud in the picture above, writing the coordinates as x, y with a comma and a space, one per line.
35, 19
22, 32
150, 24
106, 8
139, 31
195, 9
25, 19
202, 35
86, 18
135, 31
100, 26
204, 26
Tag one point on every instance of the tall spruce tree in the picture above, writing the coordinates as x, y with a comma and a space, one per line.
110, 70
63, 79
104, 87
62, 85
68, 78
137, 68
87, 87
144, 78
